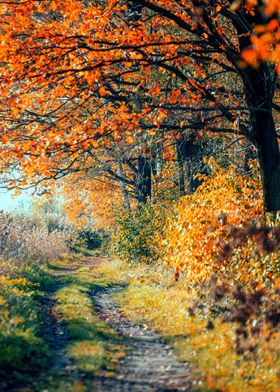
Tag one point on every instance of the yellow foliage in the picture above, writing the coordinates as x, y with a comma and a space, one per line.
194, 240
91, 199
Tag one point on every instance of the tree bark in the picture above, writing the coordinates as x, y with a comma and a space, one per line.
188, 154
269, 159
259, 87
181, 161
264, 134
123, 188
144, 180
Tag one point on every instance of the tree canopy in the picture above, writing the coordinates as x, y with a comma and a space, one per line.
80, 76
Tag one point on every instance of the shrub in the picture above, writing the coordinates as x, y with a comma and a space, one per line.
21, 347
135, 237
199, 240
41, 245
219, 242
86, 238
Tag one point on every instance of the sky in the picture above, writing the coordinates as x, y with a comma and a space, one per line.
9, 202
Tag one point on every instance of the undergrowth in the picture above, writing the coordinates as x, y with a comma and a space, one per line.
33, 300
23, 351
220, 303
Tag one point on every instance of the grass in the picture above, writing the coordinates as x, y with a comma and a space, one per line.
151, 295
94, 346
84, 251
27, 295
23, 351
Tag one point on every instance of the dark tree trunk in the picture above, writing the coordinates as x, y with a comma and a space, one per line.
259, 98
181, 161
188, 156
259, 87
193, 153
269, 159
125, 195
144, 180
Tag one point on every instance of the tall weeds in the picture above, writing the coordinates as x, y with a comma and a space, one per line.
24, 238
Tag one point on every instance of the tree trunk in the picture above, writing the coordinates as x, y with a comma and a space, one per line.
188, 155
144, 180
123, 188
157, 159
181, 161
269, 158
193, 153
259, 87
259, 99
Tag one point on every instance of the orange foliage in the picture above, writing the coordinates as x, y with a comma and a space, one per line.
94, 79
90, 201
192, 240
265, 45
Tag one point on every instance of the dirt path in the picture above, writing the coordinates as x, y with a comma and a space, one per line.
150, 365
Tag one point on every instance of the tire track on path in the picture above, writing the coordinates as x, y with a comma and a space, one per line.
151, 365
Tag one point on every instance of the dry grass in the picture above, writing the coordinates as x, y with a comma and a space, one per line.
23, 238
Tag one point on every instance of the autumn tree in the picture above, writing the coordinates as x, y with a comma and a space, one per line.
76, 76
234, 35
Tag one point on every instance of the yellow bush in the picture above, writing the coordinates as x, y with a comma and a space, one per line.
198, 240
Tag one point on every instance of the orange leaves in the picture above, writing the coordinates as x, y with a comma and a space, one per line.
265, 37
175, 95
155, 90
271, 7
102, 91
83, 70
90, 199
53, 6
15, 112
192, 239
251, 3
265, 45
250, 56
272, 25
